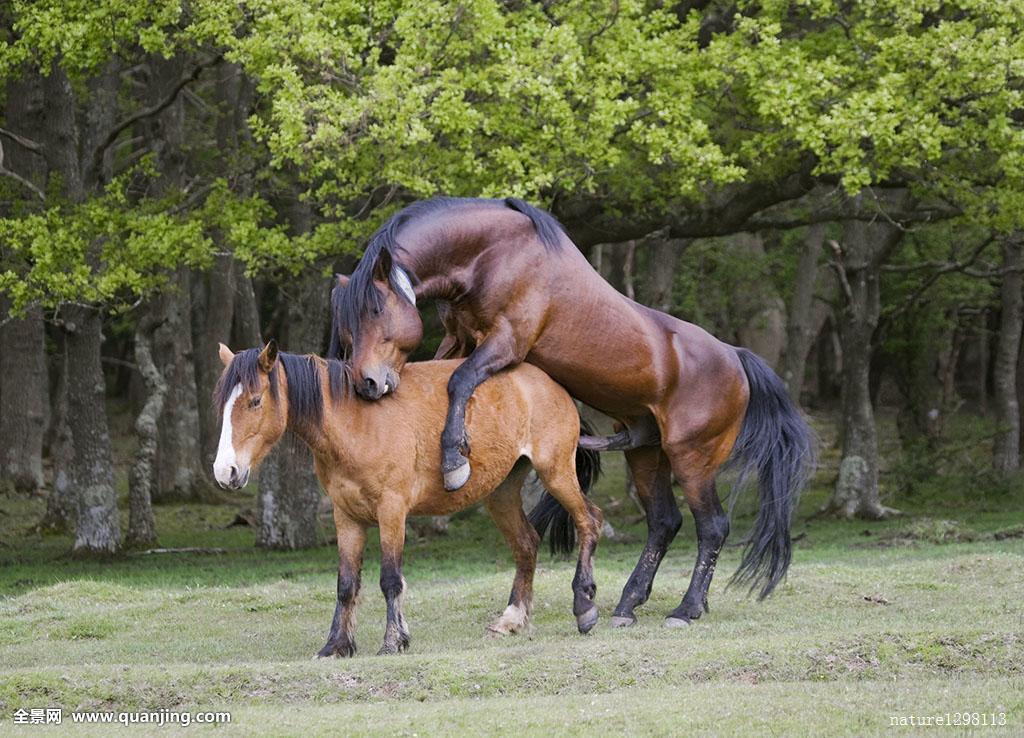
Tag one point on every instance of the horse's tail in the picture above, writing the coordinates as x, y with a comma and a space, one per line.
778, 445
548, 516
549, 230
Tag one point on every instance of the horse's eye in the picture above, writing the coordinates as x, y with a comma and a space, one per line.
255, 403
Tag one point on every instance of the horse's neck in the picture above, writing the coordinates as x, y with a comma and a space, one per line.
314, 437
434, 251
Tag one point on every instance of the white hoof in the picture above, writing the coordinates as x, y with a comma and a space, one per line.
454, 479
676, 623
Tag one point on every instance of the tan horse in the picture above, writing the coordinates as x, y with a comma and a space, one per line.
378, 463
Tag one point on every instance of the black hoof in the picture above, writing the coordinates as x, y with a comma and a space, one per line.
587, 620
674, 622
390, 649
623, 621
684, 614
341, 649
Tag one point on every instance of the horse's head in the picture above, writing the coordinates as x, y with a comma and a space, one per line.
382, 328
252, 416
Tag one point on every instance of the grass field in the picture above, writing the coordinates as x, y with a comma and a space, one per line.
919, 616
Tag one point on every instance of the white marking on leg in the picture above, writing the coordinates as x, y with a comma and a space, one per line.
225, 449
513, 620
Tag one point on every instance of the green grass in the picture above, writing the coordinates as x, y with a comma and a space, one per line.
915, 616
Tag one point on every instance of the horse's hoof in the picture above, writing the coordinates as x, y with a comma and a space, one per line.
618, 621
677, 623
457, 477
341, 650
587, 620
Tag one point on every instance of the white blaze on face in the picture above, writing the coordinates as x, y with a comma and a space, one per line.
225, 449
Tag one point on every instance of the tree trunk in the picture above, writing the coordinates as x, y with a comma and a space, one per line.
214, 303
289, 491
180, 474
245, 326
617, 260
922, 371
807, 314
858, 261
983, 352
97, 528
61, 503
141, 523
212, 310
23, 401
761, 311
90, 468
660, 271
1006, 450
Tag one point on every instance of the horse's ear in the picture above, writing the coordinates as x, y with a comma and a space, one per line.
268, 356
382, 269
341, 280
225, 354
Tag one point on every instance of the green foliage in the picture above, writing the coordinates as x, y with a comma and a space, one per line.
482, 98
630, 103
105, 250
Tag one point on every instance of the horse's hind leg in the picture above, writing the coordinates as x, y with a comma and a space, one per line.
392, 583
560, 480
506, 508
712, 529
652, 474
351, 540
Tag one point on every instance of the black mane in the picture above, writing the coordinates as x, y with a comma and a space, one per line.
351, 304
305, 393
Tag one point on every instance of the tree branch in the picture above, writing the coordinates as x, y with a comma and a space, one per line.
916, 295
837, 265
18, 178
588, 221
155, 109
28, 143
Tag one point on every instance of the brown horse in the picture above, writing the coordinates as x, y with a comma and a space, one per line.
518, 290
378, 464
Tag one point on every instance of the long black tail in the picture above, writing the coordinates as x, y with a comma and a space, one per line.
778, 445
548, 516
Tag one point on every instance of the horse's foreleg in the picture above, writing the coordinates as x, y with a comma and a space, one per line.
494, 353
505, 505
351, 540
392, 583
653, 477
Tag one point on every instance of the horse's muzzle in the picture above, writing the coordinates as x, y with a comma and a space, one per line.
236, 480
372, 388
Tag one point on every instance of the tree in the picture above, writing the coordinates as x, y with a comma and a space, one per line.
807, 309
1006, 451
857, 261
24, 401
